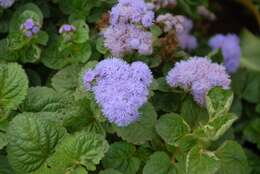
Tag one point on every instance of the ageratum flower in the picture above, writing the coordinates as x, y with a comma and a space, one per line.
198, 75
230, 48
66, 28
6, 3
30, 28
120, 89
132, 11
125, 38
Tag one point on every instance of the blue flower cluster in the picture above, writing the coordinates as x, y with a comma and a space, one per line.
198, 75
30, 28
230, 48
129, 20
120, 89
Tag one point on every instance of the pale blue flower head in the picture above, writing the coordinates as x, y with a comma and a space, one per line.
120, 89
198, 75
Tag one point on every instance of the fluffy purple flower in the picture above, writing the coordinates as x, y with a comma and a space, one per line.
230, 48
198, 75
125, 38
30, 28
65, 28
120, 89
6, 3
132, 11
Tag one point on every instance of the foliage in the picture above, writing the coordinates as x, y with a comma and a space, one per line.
49, 123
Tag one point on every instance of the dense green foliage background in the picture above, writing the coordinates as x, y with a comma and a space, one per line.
50, 125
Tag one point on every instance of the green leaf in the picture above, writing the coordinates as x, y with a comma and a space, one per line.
172, 127
216, 127
32, 140
78, 150
121, 157
42, 99
252, 132
218, 101
192, 113
82, 31
232, 159
250, 51
55, 58
66, 80
5, 167
110, 171
200, 161
142, 130
13, 85
3, 140
159, 163
42, 38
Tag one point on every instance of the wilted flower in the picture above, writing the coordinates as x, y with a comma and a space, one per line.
120, 89
198, 75
30, 28
65, 28
6, 3
230, 48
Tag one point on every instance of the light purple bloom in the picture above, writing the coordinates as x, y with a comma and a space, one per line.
125, 38
67, 28
30, 28
6, 3
132, 11
230, 48
198, 75
120, 89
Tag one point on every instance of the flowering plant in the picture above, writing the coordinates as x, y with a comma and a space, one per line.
129, 87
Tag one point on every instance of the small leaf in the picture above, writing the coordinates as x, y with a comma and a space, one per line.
232, 159
121, 157
5, 167
200, 161
142, 130
172, 127
252, 132
159, 163
218, 101
216, 127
